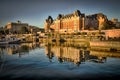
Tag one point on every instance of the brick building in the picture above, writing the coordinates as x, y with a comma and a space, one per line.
95, 21
66, 23
116, 22
74, 22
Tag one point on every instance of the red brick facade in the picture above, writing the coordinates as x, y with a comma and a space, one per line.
66, 23
75, 22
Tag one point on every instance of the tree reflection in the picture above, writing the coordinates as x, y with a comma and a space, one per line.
50, 56
49, 53
2, 58
97, 59
60, 60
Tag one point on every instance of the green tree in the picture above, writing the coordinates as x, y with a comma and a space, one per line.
106, 26
1, 32
23, 30
6, 31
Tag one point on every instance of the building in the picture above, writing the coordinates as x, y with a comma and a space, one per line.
115, 21
118, 24
15, 26
69, 23
74, 22
95, 21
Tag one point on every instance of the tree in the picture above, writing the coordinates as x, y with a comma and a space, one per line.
23, 30
6, 31
101, 26
106, 26
1, 32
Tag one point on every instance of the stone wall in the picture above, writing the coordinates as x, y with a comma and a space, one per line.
114, 33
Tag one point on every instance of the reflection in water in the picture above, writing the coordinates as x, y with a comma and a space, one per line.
21, 49
15, 49
63, 52
77, 55
49, 53
1, 55
67, 60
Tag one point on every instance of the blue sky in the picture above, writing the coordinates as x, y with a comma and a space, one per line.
35, 12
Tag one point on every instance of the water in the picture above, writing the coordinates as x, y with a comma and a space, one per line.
51, 61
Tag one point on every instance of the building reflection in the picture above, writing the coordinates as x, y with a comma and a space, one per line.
71, 54
19, 49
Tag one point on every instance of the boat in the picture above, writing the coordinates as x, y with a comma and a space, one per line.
3, 42
53, 40
62, 40
10, 40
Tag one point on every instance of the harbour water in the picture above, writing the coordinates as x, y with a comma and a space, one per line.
52, 61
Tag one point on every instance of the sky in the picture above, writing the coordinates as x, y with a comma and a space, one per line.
34, 12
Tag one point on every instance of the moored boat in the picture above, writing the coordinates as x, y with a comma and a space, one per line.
10, 40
